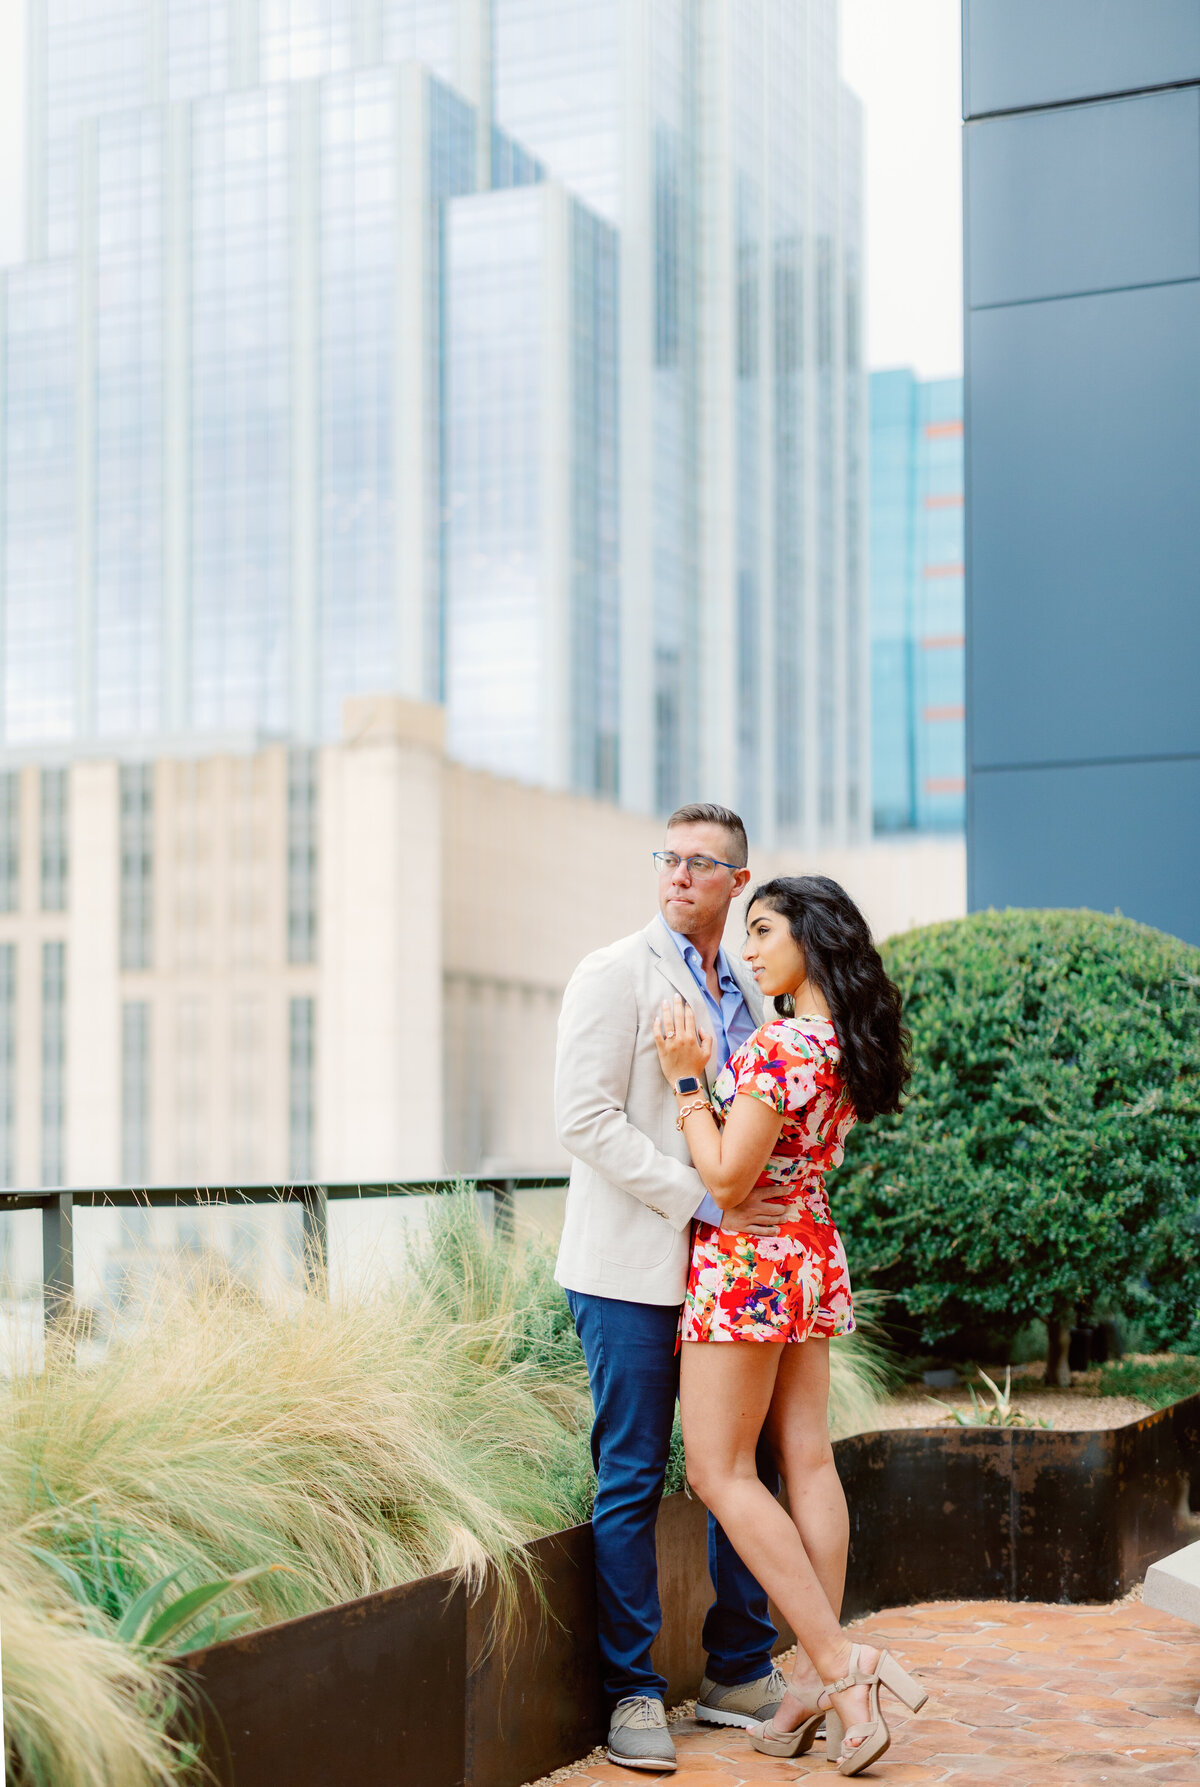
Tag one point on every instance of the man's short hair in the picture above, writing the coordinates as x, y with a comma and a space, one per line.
702, 812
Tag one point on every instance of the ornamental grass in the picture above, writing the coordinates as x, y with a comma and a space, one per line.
352, 1443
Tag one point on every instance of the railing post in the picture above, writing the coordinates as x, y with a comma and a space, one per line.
58, 1259
316, 1236
502, 1210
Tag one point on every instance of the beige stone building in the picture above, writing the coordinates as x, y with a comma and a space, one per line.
342, 964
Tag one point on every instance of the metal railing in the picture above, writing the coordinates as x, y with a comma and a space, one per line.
58, 1213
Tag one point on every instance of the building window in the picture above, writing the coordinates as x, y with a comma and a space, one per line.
301, 1061
302, 856
137, 866
135, 1092
54, 1050
55, 853
10, 840
8, 1060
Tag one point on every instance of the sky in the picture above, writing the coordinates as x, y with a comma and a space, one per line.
902, 59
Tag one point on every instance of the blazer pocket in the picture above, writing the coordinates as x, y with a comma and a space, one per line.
639, 1240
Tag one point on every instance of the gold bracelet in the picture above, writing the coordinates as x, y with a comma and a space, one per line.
686, 1110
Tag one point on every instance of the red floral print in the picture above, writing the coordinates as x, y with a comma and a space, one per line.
794, 1285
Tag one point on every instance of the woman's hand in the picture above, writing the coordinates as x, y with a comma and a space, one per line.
682, 1050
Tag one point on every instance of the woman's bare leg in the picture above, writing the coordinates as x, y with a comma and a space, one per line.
725, 1393
798, 1429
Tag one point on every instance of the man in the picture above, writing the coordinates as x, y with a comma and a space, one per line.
623, 1262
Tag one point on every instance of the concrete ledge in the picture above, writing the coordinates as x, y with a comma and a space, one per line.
1173, 1584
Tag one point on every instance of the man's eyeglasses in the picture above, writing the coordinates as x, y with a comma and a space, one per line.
698, 867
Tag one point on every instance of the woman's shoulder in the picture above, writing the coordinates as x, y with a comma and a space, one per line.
807, 1036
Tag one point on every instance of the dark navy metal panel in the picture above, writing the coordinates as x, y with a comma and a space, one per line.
1083, 437
1085, 199
1041, 52
1115, 836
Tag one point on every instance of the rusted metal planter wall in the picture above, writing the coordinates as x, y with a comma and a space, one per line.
405, 1687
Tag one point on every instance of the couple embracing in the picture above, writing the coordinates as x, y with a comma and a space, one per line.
697, 1239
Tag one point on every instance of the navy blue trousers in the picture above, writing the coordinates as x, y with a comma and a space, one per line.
634, 1373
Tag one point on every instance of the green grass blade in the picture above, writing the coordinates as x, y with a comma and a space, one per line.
182, 1612
64, 1572
135, 1616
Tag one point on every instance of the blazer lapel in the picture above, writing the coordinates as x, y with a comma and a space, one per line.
671, 964
750, 992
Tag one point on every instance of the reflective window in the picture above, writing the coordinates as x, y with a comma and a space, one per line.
302, 1044
556, 89
241, 413
54, 1056
137, 865
135, 1092
129, 439
55, 841
10, 840
197, 46
496, 632
302, 886
519, 627
97, 59
301, 38
917, 620
38, 389
362, 130
420, 30
8, 1062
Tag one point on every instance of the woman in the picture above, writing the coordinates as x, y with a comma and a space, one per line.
779, 1115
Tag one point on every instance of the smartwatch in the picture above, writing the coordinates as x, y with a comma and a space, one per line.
686, 1086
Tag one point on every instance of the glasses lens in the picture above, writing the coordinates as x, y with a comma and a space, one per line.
701, 866
666, 862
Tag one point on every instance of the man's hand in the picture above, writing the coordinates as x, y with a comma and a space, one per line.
758, 1214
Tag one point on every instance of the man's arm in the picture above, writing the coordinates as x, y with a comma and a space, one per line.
597, 1038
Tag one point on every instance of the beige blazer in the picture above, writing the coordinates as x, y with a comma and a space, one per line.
632, 1194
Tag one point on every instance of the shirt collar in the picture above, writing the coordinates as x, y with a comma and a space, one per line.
691, 956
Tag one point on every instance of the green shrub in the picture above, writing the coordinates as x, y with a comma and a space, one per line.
1154, 1381
1048, 1159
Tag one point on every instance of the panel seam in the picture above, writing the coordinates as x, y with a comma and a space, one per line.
1070, 105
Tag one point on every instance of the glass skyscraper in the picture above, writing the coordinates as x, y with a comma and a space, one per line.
917, 723
500, 352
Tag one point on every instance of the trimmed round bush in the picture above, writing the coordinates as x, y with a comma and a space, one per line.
1047, 1163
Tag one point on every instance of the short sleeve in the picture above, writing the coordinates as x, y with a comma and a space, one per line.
778, 1067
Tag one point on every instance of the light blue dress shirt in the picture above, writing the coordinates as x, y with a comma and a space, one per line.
730, 1021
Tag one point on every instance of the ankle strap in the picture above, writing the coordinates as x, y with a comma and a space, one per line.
854, 1677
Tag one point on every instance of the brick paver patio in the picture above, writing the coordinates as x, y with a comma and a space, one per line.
1021, 1693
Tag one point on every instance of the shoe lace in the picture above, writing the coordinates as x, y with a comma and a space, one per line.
646, 1714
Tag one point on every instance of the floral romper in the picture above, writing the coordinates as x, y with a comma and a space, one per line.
795, 1284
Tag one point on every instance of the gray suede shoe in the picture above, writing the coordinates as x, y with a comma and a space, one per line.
638, 1735
747, 1705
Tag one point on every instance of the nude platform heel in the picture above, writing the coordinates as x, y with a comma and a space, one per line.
787, 1743
874, 1737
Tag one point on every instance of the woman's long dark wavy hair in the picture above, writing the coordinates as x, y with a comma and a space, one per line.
844, 964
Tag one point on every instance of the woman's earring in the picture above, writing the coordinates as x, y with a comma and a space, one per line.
785, 1005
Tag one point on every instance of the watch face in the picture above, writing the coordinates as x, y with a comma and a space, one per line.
690, 1084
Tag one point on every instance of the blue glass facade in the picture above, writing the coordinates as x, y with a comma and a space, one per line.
1081, 184
317, 395
39, 501
917, 667
531, 611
